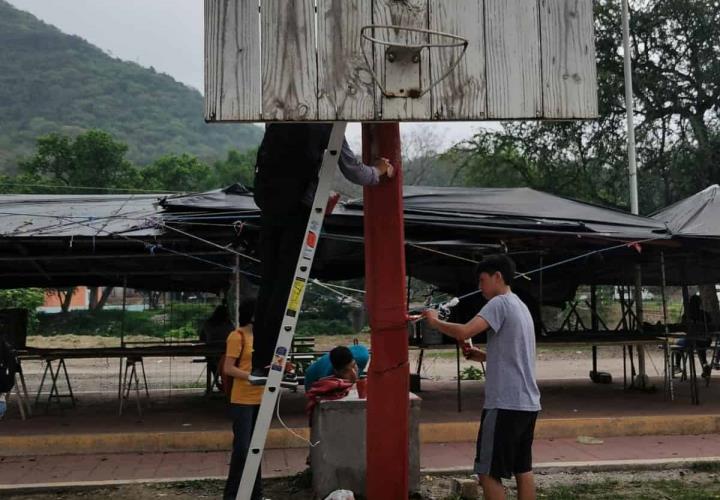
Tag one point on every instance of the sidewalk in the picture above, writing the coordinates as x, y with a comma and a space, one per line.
189, 422
38, 471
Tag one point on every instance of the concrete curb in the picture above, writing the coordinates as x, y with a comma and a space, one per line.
138, 442
446, 432
557, 428
547, 468
597, 466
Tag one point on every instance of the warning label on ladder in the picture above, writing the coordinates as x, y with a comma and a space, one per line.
295, 295
279, 360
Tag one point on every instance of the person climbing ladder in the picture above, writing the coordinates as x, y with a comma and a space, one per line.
286, 174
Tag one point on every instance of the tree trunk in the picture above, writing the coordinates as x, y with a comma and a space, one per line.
92, 297
102, 300
66, 299
154, 300
703, 153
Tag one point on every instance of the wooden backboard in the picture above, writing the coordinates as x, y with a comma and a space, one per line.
324, 60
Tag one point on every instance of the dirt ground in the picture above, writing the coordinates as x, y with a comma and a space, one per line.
699, 482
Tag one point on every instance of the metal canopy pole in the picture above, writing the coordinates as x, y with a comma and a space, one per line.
632, 166
388, 403
237, 291
122, 340
595, 325
669, 390
540, 296
629, 107
122, 320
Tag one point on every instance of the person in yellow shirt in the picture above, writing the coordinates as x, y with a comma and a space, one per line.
244, 398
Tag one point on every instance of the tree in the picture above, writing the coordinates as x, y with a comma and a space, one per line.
560, 158
177, 173
238, 167
93, 161
676, 84
421, 155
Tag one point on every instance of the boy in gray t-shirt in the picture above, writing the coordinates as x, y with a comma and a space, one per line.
512, 398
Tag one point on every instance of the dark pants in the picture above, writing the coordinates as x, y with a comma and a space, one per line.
243, 417
280, 239
699, 345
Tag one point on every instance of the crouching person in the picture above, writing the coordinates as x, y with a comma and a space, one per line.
244, 398
325, 365
333, 375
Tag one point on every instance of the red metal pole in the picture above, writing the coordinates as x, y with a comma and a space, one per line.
388, 403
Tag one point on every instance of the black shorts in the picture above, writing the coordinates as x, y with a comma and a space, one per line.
504, 443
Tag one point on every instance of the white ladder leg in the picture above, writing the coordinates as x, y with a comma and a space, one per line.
292, 310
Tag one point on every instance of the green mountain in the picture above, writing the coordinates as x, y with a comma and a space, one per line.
54, 82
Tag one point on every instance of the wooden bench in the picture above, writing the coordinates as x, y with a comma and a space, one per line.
302, 355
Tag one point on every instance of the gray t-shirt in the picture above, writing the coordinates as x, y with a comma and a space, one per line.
510, 367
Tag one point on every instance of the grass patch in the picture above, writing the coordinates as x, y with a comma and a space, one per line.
705, 467
178, 321
640, 490
601, 490
471, 373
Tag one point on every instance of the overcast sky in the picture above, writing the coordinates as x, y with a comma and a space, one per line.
165, 34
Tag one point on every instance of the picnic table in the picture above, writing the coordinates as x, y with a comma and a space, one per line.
130, 357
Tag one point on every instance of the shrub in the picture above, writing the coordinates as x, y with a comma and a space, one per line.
25, 298
471, 373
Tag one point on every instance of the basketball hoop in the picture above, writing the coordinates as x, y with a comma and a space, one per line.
402, 60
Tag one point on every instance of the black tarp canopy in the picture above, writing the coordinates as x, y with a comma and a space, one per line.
522, 208
694, 223
48, 216
507, 208
55, 241
447, 229
697, 216
184, 241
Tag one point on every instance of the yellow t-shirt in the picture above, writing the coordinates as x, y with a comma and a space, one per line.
240, 345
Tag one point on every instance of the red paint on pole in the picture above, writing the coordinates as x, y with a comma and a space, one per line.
388, 405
